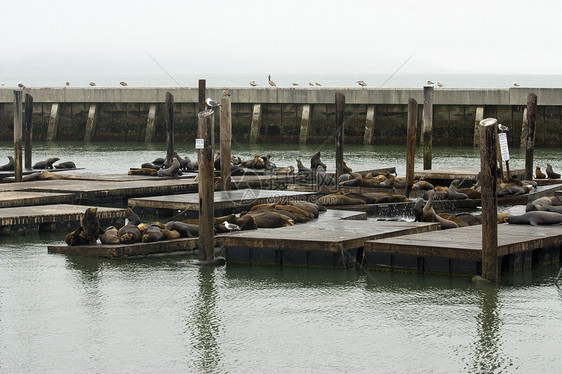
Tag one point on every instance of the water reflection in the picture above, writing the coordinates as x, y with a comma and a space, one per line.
204, 324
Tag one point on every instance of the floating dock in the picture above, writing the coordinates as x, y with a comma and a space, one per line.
53, 218
449, 174
459, 251
333, 243
22, 198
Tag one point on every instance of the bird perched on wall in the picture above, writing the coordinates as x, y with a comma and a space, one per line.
295, 84
271, 83
311, 84
124, 84
502, 127
429, 82
515, 84
231, 226
362, 83
67, 84
253, 83
3, 84
21, 85
92, 84
212, 103
440, 84
318, 84
225, 93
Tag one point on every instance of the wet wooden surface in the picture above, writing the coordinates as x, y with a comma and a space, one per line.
52, 213
331, 235
466, 242
456, 173
22, 198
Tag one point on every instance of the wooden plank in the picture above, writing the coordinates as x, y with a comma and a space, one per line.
455, 173
52, 213
331, 236
22, 198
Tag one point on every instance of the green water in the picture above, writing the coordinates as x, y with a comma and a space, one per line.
68, 314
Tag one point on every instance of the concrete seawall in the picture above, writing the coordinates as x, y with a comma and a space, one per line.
376, 116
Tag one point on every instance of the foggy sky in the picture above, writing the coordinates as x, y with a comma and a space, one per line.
245, 36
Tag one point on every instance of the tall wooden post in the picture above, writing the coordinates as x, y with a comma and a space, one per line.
205, 131
17, 135
202, 93
427, 126
28, 118
411, 143
226, 142
340, 108
530, 143
488, 172
169, 128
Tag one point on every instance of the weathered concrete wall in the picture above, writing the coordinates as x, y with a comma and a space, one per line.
122, 113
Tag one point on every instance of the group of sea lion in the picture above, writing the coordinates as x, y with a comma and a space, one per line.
550, 174
341, 198
46, 164
159, 167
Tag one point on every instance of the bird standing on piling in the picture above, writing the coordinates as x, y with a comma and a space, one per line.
225, 93
92, 84
253, 83
318, 84
21, 85
429, 83
212, 103
67, 84
311, 84
440, 84
295, 84
515, 84
502, 127
124, 84
362, 83
271, 83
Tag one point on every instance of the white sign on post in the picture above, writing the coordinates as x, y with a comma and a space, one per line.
199, 143
503, 146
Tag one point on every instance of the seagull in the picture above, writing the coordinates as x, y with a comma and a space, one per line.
318, 84
271, 83
429, 82
20, 85
225, 93
123, 84
253, 83
295, 84
502, 127
67, 84
92, 84
440, 84
362, 83
212, 103
516, 84
3, 84
311, 84
231, 226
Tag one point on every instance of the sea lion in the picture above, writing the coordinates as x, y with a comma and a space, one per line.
91, 224
351, 179
386, 197
458, 221
77, 237
418, 210
47, 164
346, 169
323, 179
150, 165
302, 169
186, 230
510, 190
551, 173
550, 208
315, 162
536, 218
428, 214
152, 233
143, 171
437, 195
9, 166
132, 217
129, 234
470, 219
453, 194
309, 207
501, 217
294, 210
270, 219
65, 165
286, 171
184, 162
539, 174
422, 185
246, 222
389, 182
159, 161
220, 220
172, 171
110, 236
470, 192
338, 199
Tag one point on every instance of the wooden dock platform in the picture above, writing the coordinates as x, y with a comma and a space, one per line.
449, 174
225, 202
22, 198
52, 217
459, 251
333, 243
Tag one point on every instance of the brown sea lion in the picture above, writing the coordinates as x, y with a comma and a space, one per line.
303, 170
346, 169
77, 237
270, 220
185, 229
129, 234
315, 162
459, 222
91, 224
470, 192
65, 165
350, 179
338, 199
309, 207
453, 194
399, 182
132, 217
422, 185
470, 219
324, 179
445, 223
143, 171
110, 236
536, 218
47, 164
152, 233
418, 207
539, 174
286, 171
551, 173
9, 166
246, 222
428, 214
150, 165
386, 197
172, 171
502, 217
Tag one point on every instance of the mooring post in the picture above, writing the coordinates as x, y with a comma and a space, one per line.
479, 116
411, 143
150, 124
255, 126
305, 124
169, 128
225, 142
530, 143
90, 123
202, 93
205, 131
28, 117
523, 139
53, 123
340, 109
369, 125
17, 135
488, 172
427, 126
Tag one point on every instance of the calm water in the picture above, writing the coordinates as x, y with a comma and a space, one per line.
67, 314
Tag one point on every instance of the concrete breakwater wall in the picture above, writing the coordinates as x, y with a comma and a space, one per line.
289, 115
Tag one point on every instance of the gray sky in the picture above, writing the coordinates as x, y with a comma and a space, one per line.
246, 36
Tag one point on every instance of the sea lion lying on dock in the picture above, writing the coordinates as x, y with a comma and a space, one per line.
338, 198
422, 185
65, 165
324, 179
270, 219
186, 230
536, 218
9, 166
47, 164
172, 171
143, 171
110, 236
129, 233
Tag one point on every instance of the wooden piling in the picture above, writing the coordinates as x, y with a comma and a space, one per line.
90, 123
28, 118
150, 124
225, 141
202, 93
523, 139
255, 126
479, 116
488, 172
169, 128
530, 143
53, 123
340, 108
206, 186
369, 125
411, 143
427, 135
305, 124
17, 135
